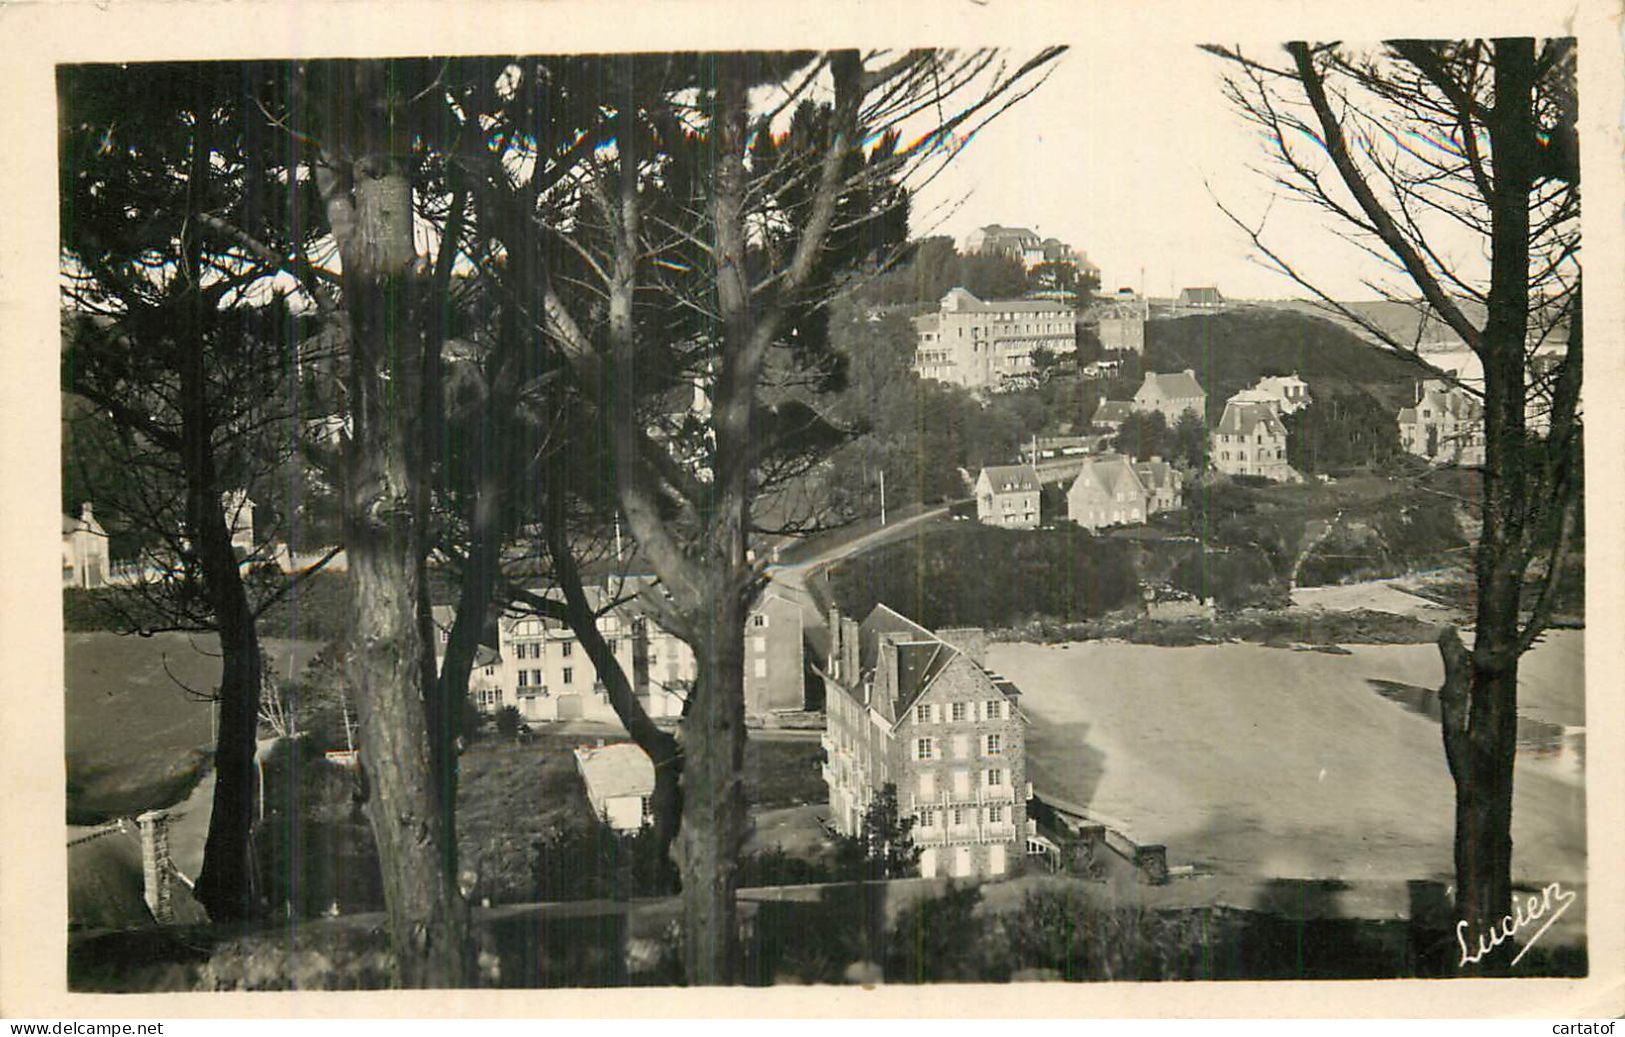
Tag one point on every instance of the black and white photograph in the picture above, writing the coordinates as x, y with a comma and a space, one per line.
1048, 498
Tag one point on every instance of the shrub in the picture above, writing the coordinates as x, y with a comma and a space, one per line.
508, 721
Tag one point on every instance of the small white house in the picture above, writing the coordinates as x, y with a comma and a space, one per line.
620, 779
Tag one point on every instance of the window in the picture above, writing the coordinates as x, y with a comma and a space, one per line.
536, 677
490, 671
758, 644
995, 777
994, 744
928, 818
566, 648
761, 667
445, 635
995, 814
645, 813
994, 710
610, 644
569, 675
922, 714
524, 678
758, 620
923, 749
958, 711
959, 817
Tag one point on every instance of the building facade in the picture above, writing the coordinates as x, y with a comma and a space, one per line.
1171, 395
1164, 486
775, 661
982, 345
1008, 496
85, 561
1251, 440
1026, 247
1119, 320
1291, 392
1107, 492
1445, 425
485, 680
919, 711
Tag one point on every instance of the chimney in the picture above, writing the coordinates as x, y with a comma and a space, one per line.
157, 870
836, 656
85, 514
849, 650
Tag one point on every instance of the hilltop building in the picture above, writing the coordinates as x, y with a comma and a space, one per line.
1202, 298
1119, 321
1007, 495
918, 710
1445, 425
1171, 395
1251, 440
1028, 248
981, 345
1164, 486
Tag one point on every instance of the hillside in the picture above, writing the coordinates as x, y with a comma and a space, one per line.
1232, 350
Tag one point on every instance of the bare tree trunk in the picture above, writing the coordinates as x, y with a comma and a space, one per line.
369, 204
713, 829
225, 886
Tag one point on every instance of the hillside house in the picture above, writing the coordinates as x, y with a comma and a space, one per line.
1164, 486
1291, 392
85, 560
1111, 414
1107, 492
620, 779
485, 688
1171, 395
549, 672
919, 711
1007, 495
982, 345
1250, 440
1445, 425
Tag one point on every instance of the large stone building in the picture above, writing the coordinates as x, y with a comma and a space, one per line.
541, 667
1008, 495
1028, 248
1171, 395
1119, 321
1444, 425
982, 345
1251, 440
919, 711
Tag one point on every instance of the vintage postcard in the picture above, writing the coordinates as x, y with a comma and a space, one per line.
972, 509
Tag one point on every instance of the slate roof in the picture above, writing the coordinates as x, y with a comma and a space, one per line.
1012, 478
1155, 474
1111, 474
921, 655
615, 770
1113, 410
1178, 385
1243, 418
968, 303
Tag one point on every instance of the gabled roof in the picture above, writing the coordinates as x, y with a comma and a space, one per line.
1179, 385
1202, 296
926, 323
1113, 410
1243, 418
615, 770
1012, 478
1155, 474
964, 302
922, 656
1111, 474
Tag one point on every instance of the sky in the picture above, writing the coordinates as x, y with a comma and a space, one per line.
1123, 159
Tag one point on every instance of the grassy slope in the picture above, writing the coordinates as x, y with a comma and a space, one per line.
136, 740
